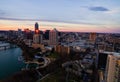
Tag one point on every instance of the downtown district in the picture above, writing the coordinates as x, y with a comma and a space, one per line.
92, 57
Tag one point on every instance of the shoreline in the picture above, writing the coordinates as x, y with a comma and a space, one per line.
9, 62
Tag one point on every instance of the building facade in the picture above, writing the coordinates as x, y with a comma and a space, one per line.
63, 50
53, 37
92, 36
37, 39
112, 73
36, 28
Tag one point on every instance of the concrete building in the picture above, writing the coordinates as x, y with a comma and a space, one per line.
53, 37
28, 42
62, 49
117, 71
113, 68
37, 39
92, 36
28, 34
46, 35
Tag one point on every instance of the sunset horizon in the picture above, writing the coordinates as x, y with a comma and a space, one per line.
60, 26
80, 16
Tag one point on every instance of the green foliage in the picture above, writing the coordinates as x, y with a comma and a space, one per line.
54, 55
57, 76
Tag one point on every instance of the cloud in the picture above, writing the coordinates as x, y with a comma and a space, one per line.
114, 11
17, 19
98, 8
47, 20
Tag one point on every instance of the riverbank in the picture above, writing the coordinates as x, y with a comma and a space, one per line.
9, 63
29, 55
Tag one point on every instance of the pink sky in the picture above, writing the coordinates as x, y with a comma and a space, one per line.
14, 25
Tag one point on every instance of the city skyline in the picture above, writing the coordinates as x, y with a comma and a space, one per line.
64, 15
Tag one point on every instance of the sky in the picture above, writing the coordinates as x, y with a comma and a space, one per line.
64, 15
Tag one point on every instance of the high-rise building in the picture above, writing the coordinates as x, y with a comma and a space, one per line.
103, 57
53, 37
92, 36
46, 34
112, 73
37, 39
117, 71
28, 34
36, 28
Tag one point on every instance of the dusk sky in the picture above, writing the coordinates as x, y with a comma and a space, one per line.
64, 15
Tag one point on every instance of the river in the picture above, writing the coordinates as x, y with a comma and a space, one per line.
9, 63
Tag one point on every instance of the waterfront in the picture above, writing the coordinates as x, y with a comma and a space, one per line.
9, 63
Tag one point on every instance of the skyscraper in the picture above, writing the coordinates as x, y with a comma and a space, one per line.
46, 34
113, 68
36, 28
37, 38
53, 37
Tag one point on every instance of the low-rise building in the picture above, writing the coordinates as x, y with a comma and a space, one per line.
62, 49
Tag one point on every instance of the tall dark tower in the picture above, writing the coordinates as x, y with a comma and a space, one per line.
36, 28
